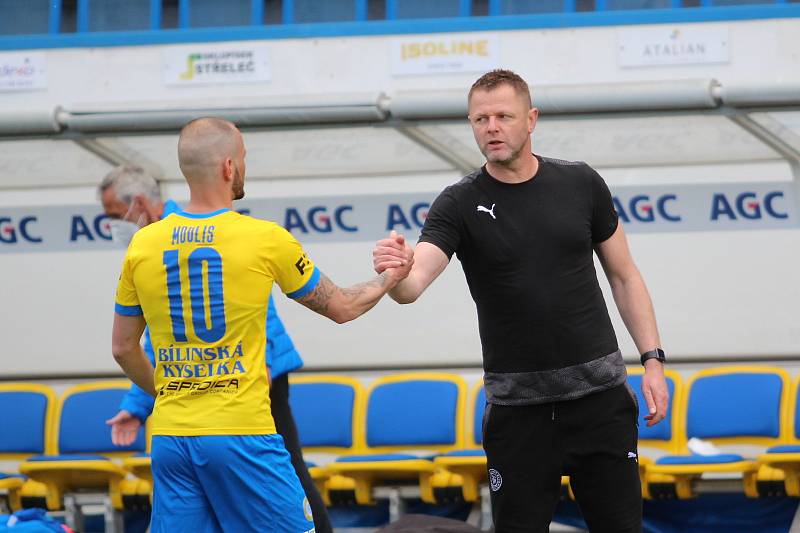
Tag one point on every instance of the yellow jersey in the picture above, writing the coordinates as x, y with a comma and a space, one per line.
202, 282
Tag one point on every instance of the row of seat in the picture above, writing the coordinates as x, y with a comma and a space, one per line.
64, 445
422, 429
413, 427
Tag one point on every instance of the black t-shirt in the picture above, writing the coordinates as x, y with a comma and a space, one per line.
526, 250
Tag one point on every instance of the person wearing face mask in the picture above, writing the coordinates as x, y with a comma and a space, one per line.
132, 199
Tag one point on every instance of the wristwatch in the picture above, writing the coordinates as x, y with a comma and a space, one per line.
657, 353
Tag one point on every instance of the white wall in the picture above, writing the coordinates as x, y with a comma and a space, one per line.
760, 52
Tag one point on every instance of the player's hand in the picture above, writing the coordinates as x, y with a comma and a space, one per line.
655, 391
398, 274
124, 428
392, 252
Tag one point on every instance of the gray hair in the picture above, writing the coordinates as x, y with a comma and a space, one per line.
130, 180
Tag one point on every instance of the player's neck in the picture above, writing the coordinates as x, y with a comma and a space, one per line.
521, 169
204, 201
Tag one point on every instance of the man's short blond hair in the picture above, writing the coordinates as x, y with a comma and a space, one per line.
496, 78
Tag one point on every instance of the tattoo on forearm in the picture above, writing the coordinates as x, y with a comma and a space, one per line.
382, 279
318, 299
360, 288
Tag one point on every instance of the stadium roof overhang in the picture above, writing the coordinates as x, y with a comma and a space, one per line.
660, 124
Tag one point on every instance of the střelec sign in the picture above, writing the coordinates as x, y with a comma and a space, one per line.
642, 209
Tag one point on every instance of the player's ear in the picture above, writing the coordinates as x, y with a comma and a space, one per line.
228, 169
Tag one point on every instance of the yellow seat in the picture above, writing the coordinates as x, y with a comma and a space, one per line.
733, 405
30, 408
666, 435
420, 414
10, 485
781, 464
137, 491
465, 469
83, 451
327, 411
139, 466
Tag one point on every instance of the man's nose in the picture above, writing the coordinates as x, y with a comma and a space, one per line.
492, 126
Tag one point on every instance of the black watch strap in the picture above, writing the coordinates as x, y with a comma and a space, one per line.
658, 353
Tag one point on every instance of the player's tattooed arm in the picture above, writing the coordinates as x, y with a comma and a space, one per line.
345, 304
318, 299
358, 289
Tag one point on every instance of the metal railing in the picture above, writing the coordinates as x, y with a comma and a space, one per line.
469, 15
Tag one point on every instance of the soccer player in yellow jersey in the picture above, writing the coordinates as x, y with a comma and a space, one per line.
201, 279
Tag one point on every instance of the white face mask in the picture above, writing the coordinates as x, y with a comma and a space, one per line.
122, 231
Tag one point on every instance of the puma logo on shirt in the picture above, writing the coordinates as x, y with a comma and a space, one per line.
482, 209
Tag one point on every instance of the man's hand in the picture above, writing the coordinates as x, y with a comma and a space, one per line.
344, 304
392, 252
655, 391
124, 428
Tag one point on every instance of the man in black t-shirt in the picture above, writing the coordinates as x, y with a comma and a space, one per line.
525, 228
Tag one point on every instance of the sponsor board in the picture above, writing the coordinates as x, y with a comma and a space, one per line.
220, 64
442, 54
642, 209
670, 45
23, 71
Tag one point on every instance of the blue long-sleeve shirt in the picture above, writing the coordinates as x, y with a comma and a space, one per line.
282, 357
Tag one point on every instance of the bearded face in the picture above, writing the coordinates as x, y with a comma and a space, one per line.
238, 184
501, 124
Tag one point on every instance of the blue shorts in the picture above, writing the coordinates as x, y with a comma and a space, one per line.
226, 483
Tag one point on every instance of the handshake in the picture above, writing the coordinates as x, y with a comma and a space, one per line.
394, 256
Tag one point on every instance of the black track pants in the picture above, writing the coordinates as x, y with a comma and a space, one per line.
592, 439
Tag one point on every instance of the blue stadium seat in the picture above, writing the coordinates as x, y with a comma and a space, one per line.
418, 9
728, 406
327, 411
740, 2
418, 412
525, 7
82, 445
28, 411
119, 15
786, 457
613, 5
309, 11
35, 20
468, 463
216, 14
665, 435
324, 409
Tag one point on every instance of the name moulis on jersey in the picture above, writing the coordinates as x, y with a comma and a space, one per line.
193, 234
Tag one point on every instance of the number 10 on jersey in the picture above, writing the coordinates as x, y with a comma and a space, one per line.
201, 301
